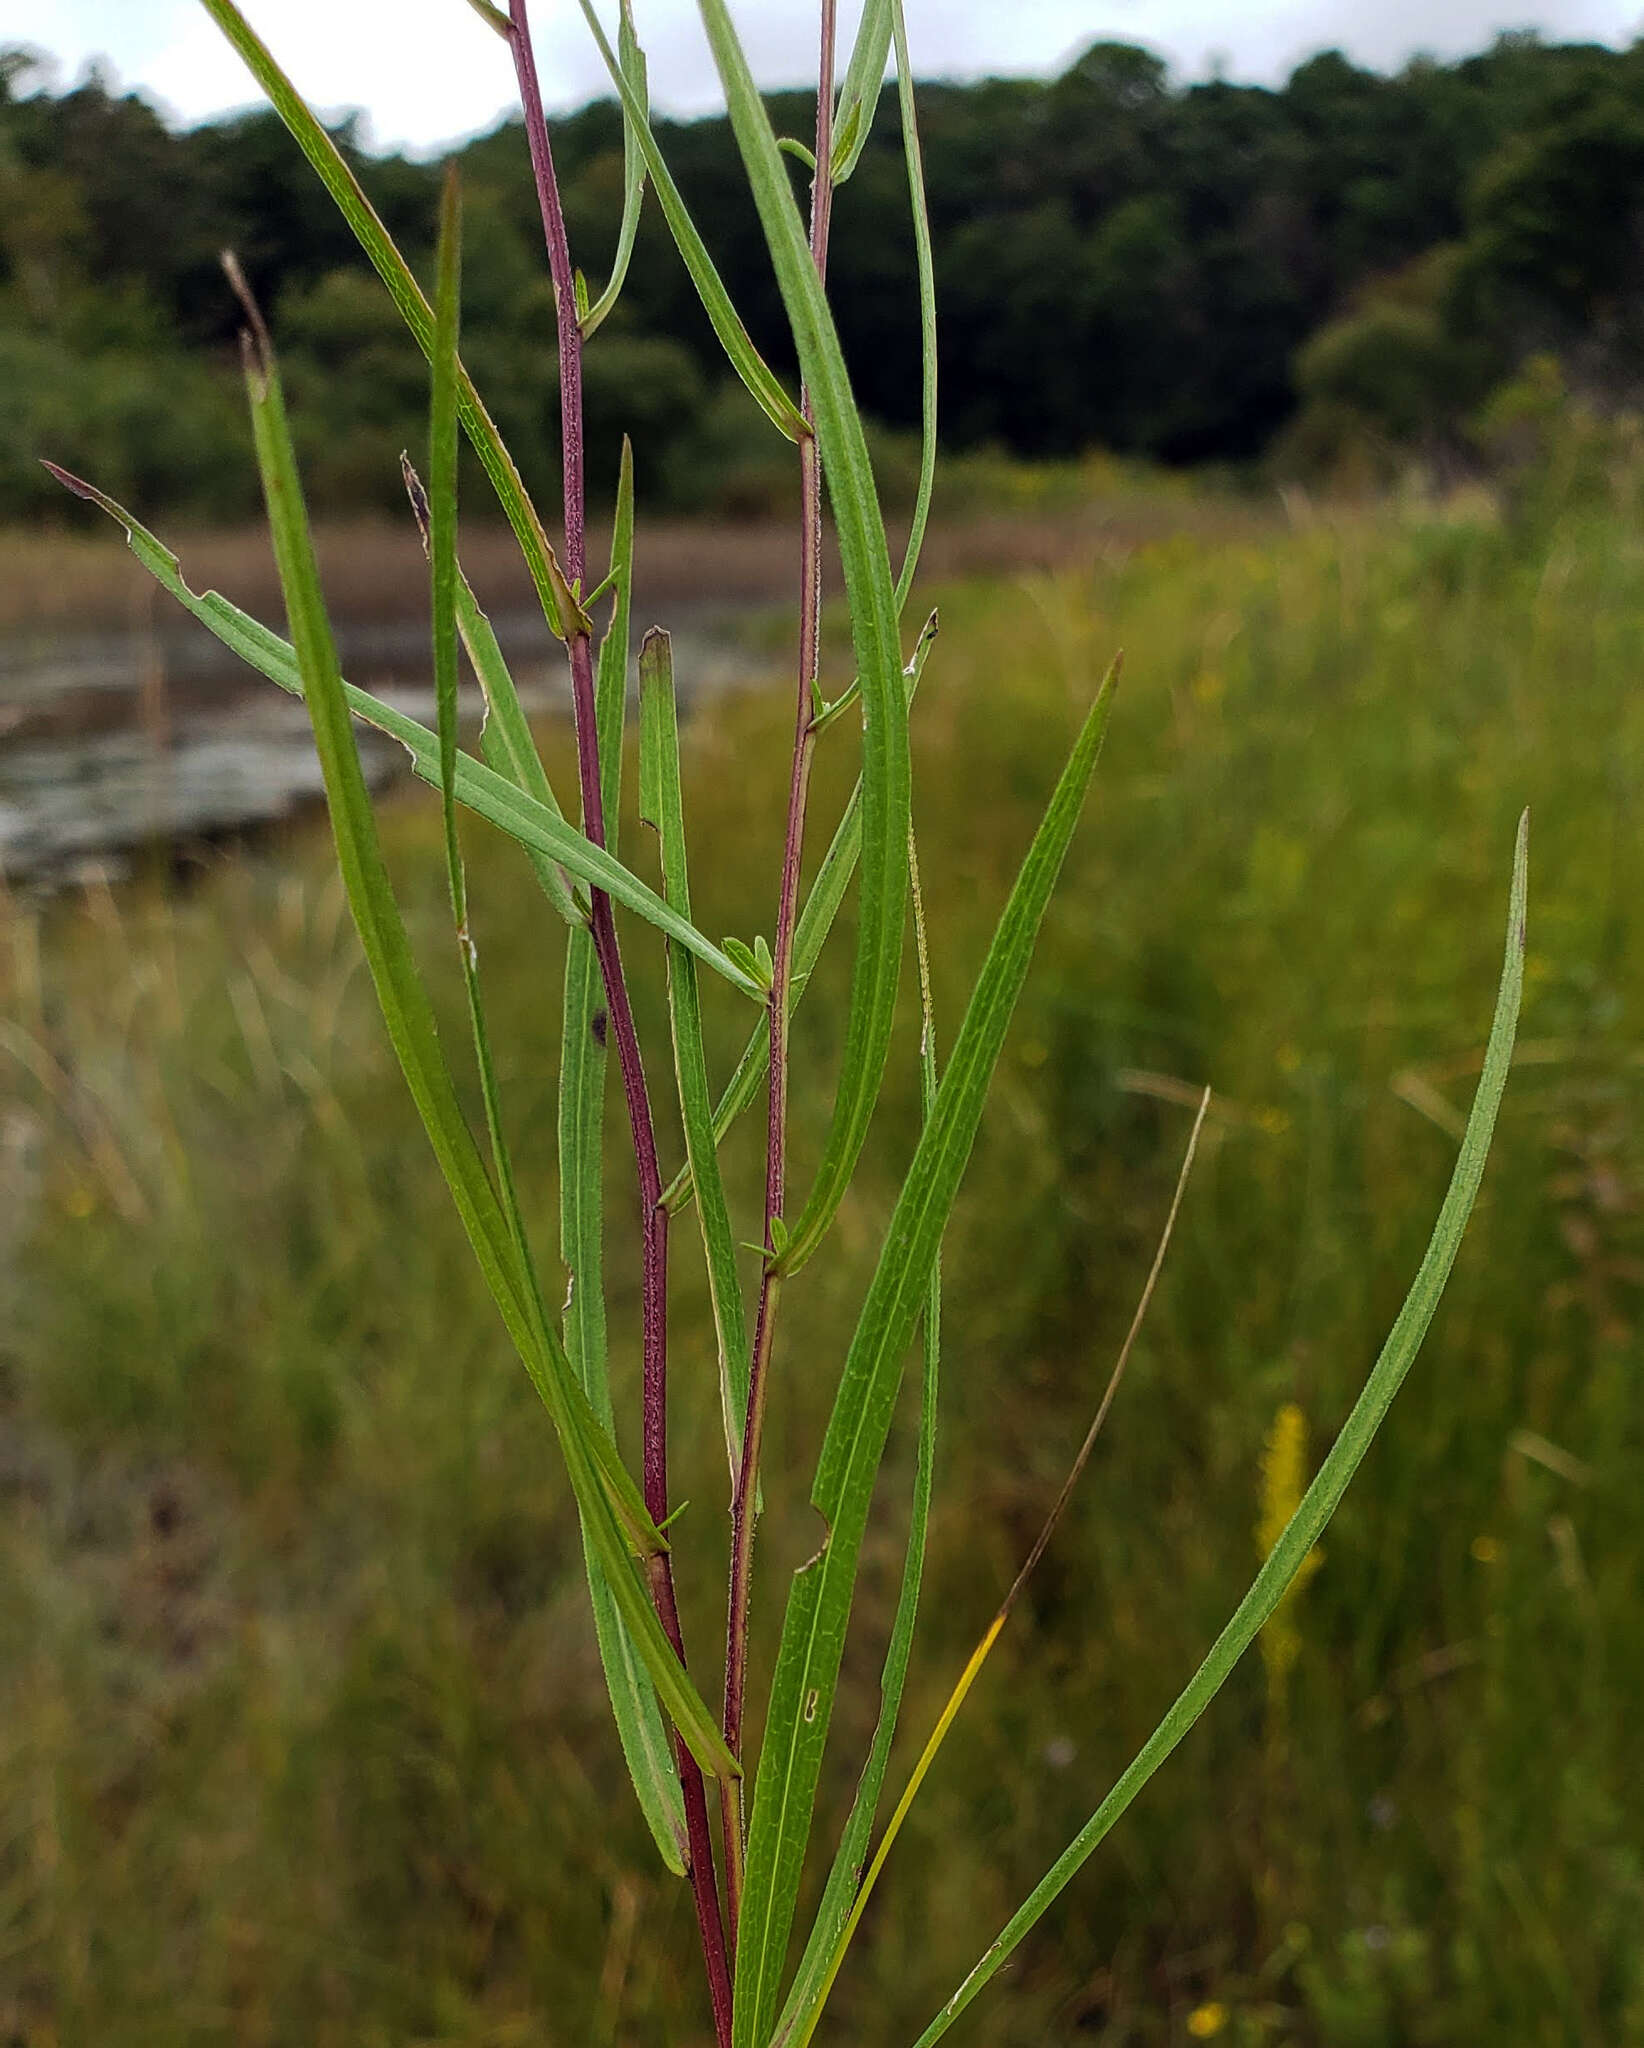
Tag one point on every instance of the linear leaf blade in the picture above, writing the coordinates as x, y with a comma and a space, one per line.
662, 806
332, 168
925, 264
1319, 1502
640, 1730
632, 59
819, 1602
859, 94
865, 560
538, 827
829, 1930
734, 338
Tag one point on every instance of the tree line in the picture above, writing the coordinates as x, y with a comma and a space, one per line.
1211, 272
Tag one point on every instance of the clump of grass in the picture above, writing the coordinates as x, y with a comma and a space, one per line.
688, 1763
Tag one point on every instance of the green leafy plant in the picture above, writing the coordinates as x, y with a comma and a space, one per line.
745, 1884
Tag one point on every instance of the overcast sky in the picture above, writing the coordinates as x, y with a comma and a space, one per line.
427, 71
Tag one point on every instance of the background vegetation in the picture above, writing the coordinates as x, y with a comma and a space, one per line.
1343, 271
301, 1729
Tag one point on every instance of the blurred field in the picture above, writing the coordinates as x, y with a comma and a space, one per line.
991, 513
301, 1733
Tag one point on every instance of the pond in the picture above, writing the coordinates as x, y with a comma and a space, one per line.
116, 742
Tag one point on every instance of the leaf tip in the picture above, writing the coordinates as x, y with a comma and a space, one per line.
256, 347
74, 484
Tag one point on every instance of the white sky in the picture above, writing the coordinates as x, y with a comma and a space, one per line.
426, 71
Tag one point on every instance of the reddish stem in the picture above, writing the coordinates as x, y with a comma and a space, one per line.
744, 1514
704, 1880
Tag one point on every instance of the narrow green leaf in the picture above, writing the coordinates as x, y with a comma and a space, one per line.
748, 960
507, 744
817, 1966
493, 17
926, 266
927, 305
633, 172
979, 1656
611, 677
819, 1604
537, 826
816, 918
605, 1491
505, 733
407, 295
662, 807
865, 560
734, 339
1319, 1502
644, 1739
444, 575
859, 95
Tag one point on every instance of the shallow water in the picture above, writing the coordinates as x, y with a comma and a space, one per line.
112, 743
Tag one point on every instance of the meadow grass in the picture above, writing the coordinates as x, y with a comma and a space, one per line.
303, 1727
991, 514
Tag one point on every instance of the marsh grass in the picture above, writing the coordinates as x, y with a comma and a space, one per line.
998, 518
304, 1732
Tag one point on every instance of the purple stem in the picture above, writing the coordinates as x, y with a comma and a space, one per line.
704, 1880
743, 1504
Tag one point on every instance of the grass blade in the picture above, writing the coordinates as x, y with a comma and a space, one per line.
328, 161
640, 1729
865, 560
1318, 1504
661, 806
734, 338
605, 1491
633, 172
842, 1895
833, 879
539, 827
859, 95
813, 1629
